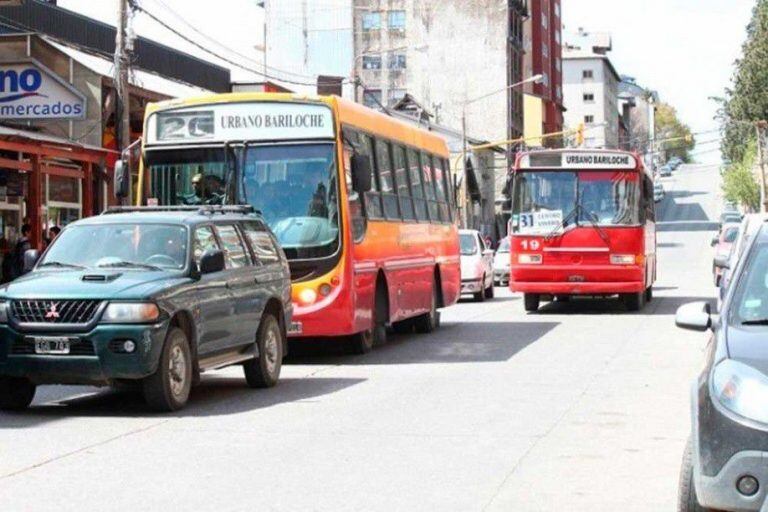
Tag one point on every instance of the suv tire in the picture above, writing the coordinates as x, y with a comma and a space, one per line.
264, 371
686, 499
168, 388
16, 393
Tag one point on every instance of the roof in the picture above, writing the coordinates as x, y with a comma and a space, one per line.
42, 137
139, 78
572, 55
166, 217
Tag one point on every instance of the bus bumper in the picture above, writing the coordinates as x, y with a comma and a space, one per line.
603, 288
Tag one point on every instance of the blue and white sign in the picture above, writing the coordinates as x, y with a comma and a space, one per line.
30, 91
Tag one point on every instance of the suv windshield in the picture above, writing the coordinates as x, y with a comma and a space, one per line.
142, 246
750, 300
605, 197
468, 244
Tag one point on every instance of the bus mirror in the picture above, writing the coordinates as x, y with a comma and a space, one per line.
122, 179
361, 174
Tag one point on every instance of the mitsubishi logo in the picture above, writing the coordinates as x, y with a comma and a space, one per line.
52, 313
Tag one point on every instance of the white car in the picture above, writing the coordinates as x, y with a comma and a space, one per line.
476, 265
501, 263
658, 192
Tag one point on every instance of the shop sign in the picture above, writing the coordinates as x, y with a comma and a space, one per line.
31, 91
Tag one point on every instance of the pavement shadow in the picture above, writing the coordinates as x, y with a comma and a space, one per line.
215, 396
669, 305
613, 306
686, 226
454, 342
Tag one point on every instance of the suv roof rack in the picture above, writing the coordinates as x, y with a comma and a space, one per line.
208, 209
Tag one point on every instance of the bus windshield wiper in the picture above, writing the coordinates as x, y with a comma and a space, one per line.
563, 223
129, 264
60, 264
593, 219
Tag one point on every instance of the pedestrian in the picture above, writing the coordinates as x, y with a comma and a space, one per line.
22, 245
488, 242
53, 232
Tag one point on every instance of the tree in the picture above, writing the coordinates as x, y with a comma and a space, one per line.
739, 183
747, 101
669, 126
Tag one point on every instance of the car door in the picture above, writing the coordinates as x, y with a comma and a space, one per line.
270, 274
214, 298
241, 286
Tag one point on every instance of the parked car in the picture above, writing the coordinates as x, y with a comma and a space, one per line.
501, 263
665, 171
154, 297
747, 229
724, 463
722, 244
476, 265
729, 217
675, 162
658, 191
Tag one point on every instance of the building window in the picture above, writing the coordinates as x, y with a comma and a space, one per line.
559, 64
588, 73
371, 61
589, 119
372, 21
545, 49
557, 36
558, 92
544, 21
589, 97
557, 10
397, 20
396, 95
396, 61
372, 98
545, 80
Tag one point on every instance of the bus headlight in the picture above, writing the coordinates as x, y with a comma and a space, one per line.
741, 389
307, 296
622, 259
529, 259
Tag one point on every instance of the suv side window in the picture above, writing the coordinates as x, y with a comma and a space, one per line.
261, 243
234, 251
204, 240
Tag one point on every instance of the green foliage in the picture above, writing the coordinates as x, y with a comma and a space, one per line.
747, 101
669, 126
739, 183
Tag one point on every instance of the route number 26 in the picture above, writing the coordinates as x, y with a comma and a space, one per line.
532, 245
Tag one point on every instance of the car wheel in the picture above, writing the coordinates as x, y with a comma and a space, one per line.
429, 322
490, 292
264, 371
633, 301
168, 388
480, 296
686, 499
531, 302
16, 393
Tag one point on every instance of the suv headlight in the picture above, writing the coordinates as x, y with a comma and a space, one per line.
131, 313
741, 389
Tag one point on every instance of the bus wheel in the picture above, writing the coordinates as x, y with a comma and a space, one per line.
360, 343
531, 302
633, 301
403, 326
649, 294
429, 322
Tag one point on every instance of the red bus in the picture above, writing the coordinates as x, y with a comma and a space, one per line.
361, 203
583, 224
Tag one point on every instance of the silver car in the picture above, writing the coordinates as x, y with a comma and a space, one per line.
476, 265
501, 264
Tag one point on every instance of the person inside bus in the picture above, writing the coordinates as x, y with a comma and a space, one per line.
318, 206
208, 189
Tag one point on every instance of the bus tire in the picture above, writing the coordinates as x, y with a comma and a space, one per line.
633, 301
429, 322
360, 343
531, 302
649, 294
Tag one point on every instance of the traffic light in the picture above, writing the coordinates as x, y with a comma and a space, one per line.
580, 135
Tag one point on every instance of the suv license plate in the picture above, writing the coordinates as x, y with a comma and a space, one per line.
52, 346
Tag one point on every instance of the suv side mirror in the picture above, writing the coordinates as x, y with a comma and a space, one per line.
30, 259
695, 316
212, 261
361, 174
122, 179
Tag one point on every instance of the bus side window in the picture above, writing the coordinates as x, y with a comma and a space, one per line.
373, 198
417, 187
356, 213
442, 198
402, 183
429, 186
450, 190
649, 210
388, 192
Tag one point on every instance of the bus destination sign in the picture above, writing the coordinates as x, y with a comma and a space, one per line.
579, 160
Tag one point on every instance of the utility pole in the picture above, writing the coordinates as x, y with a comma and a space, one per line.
760, 127
122, 71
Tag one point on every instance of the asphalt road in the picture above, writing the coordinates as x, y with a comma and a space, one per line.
579, 407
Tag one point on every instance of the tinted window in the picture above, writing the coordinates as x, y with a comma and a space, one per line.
372, 198
750, 300
417, 189
234, 252
386, 180
428, 174
402, 183
440, 187
204, 241
730, 234
261, 243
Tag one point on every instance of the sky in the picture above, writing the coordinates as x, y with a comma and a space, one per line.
684, 49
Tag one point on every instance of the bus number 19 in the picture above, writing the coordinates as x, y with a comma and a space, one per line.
532, 245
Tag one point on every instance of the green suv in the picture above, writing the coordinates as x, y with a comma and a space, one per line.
153, 295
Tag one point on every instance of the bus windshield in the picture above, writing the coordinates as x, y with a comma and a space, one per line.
295, 187
602, 198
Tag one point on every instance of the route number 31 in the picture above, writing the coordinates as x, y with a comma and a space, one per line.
532, 245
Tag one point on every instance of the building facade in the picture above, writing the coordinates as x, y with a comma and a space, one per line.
543, 56
591, 90
641, 120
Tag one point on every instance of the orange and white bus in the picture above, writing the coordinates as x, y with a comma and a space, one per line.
361, 203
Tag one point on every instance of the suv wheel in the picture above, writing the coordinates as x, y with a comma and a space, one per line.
16, 393
168, 388
264, 371
687, 501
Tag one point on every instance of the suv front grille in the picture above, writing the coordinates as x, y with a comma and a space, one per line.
54, 311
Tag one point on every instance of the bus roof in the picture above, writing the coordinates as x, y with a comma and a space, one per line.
580, 159
348, 112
